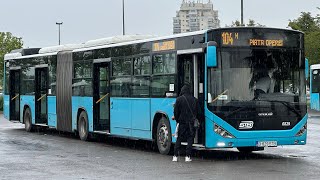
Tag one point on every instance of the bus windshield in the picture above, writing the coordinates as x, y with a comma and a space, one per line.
257, 79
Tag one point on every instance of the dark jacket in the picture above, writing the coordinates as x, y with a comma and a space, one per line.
182, 112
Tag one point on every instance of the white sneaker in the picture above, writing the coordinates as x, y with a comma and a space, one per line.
175, 159
188, 159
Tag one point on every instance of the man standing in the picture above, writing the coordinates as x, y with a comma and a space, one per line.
185, 111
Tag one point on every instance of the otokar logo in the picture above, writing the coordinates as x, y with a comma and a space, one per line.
246, 125
268, 114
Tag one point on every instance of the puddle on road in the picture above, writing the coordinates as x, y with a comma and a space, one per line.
24, 145
297, 156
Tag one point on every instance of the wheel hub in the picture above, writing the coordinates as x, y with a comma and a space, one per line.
163, 135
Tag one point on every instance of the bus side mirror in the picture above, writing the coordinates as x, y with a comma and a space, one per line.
212, 55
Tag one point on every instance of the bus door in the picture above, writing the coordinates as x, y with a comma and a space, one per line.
314, 89
41, 92
185, 70
101, 97
191, 71
14, 95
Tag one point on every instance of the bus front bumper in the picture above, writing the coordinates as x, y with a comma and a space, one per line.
273, 138
258, 142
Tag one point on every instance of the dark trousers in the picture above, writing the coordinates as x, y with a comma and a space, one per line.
185, 132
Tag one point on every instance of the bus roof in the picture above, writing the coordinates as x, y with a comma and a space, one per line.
101, 43
21, 52
12, 56
115, 40
250, 27
150, 39
121, 41
66, 47
315, 66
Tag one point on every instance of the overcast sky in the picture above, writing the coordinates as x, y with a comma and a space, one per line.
34, 20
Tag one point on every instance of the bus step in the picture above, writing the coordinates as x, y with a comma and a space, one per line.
107, 132
15, 121
194, 145
43, 125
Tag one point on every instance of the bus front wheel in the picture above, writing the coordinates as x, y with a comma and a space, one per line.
164, 138
83, 126
27, 120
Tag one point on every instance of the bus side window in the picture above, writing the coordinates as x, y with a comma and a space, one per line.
164, 75
121, 78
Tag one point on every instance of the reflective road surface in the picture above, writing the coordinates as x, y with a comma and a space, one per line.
53, 155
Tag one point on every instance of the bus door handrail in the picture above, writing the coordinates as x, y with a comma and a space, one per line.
102, 98
15, 97
42, 97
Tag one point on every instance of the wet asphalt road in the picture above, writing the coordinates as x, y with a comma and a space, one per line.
52, 155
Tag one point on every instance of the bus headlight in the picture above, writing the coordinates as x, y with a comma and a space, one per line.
219, 130
302, 130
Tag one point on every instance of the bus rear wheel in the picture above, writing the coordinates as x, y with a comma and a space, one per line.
164, 138
83, 126
27, 120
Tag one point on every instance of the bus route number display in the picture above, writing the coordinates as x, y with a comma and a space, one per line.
229, 38
247, 39
164, 46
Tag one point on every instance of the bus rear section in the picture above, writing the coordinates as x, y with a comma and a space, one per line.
256, 95
315, 87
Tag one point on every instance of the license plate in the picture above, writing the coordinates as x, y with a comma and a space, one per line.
267, 144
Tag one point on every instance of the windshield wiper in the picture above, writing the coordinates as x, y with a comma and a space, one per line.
287, 104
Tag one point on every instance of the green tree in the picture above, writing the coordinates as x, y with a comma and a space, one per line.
311, 27
8, 42
252, 23
236, 23
305, 23
312, 47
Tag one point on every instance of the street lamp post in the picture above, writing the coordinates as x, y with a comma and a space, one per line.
242, 23
123, 27
59, 24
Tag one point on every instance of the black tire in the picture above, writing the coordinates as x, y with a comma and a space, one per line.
83, 127
163, 137
249, 150
27, 119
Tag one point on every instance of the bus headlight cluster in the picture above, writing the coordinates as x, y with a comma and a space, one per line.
302, 130
219, 130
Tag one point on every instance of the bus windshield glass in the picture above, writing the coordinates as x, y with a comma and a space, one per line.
265, 82
252, 74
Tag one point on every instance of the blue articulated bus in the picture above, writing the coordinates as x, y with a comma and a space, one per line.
250, 83
315, 87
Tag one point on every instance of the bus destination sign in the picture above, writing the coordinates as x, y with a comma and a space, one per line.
268, 42
164, 46
248, 39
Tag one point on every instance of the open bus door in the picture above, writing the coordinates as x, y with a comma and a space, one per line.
190, 71
41, 95
101, 97
14, 89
